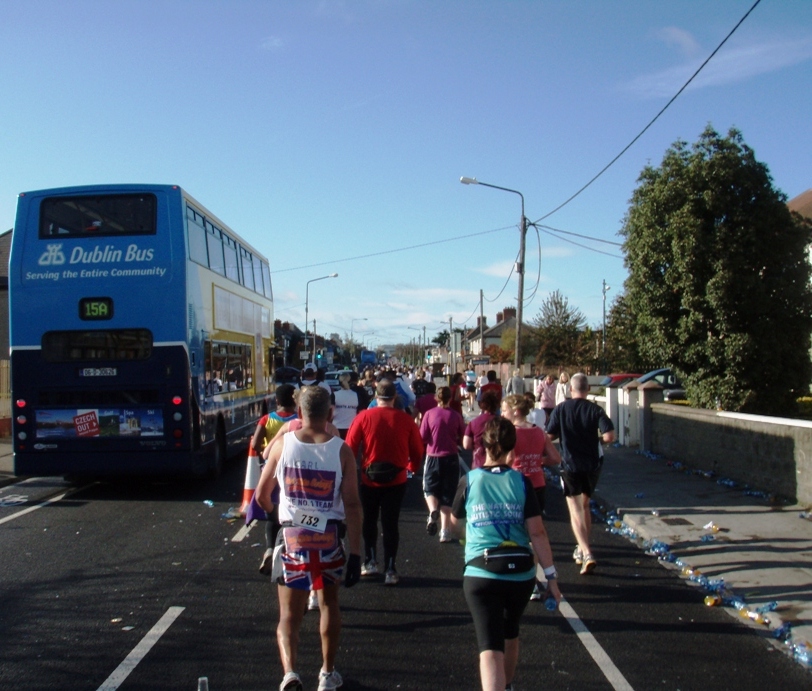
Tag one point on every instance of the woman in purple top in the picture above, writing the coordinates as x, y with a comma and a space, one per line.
472, 439
441, 429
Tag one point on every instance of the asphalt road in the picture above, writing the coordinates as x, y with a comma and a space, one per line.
148, 570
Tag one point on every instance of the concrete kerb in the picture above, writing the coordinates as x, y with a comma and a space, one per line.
761, 552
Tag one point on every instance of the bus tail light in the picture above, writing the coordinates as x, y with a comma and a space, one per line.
178, 433
21, 419
20, 402
177, 400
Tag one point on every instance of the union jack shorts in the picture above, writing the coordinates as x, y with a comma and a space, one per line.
311, 560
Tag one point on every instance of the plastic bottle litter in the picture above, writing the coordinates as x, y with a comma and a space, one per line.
203, 684
550, 604
769, 607
806, 515
708, 538
713, 600
639, 495
208, 502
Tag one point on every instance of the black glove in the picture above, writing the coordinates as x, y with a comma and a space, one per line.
353, 570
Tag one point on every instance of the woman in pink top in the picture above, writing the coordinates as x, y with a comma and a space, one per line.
533, 450
441, 430
472, 441
545, 394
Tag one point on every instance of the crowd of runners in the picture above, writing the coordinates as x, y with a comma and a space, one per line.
336, 466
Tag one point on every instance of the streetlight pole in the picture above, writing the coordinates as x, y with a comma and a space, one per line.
422, 348
452, 365
307, 302
352, 325
519, 264
606, 289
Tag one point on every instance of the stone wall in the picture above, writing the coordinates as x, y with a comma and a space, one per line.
770, 454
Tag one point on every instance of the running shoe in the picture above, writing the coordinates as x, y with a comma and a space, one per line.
313, 600
291, 682
536, 595
329, 680
369, 568
431, 524
577, 556
266, 566
391, 578
446, 536
589, 564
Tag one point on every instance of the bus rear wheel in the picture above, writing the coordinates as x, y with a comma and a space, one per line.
218, 457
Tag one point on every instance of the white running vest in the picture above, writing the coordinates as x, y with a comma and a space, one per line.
309, 477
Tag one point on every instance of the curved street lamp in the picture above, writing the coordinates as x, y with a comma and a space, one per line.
519, 264
307, 300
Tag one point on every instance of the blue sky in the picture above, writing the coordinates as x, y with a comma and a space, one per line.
332, 135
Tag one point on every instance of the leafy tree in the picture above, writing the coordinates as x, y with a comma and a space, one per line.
622, 352
441, 338
558, 329
719, 277
497, 354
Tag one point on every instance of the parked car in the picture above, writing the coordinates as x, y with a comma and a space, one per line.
287, 375
332, 378
672, 386
618, 380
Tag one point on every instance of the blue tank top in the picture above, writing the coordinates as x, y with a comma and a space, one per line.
494, 508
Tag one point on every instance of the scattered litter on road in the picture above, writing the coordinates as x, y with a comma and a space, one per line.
208, 502
232, 513
117, 620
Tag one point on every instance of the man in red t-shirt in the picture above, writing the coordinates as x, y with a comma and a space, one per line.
387, 445
492, 385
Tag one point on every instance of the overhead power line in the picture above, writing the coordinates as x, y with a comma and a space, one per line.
655, 118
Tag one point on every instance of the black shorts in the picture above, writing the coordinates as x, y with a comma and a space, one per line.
471, 388
441, 476
496, 607
541, 493
577, 483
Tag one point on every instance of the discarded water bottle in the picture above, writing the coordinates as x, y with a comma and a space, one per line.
769, 607
208, 502
806, 515
203, 684
550, 604
713, 601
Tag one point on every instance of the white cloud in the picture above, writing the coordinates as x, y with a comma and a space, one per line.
682, 39
272, 44
727, 67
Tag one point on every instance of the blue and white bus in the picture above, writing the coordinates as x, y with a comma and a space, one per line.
141, 333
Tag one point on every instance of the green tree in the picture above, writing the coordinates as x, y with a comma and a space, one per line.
558, 330
441, 338
622, 352
719, 277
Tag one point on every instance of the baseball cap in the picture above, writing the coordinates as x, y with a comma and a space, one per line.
310, 367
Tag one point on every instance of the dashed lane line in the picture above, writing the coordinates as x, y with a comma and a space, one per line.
242, 533
140, 651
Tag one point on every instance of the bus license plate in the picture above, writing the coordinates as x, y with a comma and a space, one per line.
98, 372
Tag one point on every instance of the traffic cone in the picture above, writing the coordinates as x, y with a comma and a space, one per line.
251, 479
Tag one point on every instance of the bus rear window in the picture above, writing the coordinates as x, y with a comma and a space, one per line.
107, 214
97, 346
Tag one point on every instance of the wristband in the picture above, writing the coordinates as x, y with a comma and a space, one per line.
551, 573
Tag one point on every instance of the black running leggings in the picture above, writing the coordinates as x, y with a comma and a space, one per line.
496, 607
385, 501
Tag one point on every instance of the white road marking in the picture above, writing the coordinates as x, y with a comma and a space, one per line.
140, 651
52, 500
242, 533
604, 662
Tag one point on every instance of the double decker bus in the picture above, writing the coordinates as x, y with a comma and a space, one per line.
140, 331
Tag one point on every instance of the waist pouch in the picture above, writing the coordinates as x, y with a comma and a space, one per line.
383, 472
504, 559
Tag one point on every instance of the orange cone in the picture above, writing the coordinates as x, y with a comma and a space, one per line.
251, 479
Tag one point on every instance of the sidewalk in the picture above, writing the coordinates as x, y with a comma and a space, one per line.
6, 462
762, 552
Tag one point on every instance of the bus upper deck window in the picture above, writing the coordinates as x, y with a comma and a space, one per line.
105, 214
